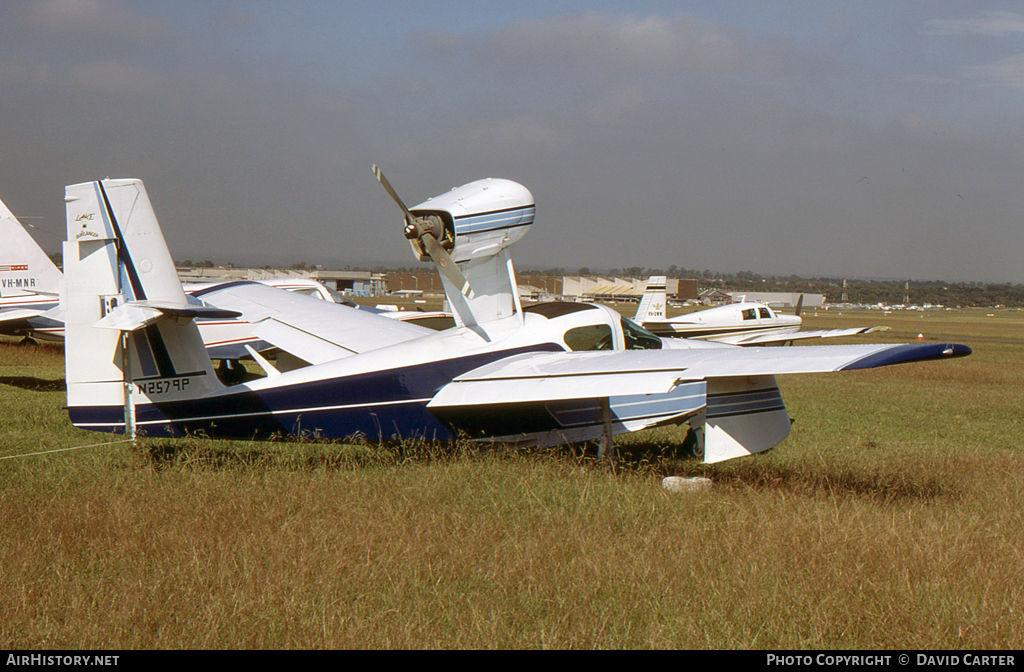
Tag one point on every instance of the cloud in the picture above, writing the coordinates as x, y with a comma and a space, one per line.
919, 128
515, 135
234, 19
112, 77
1007, 72
617, 104
933, 80
603, 40
991, 24
93, 16
17, 72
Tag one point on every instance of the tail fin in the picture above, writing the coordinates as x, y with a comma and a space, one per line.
24, 267
653, 304
129, 334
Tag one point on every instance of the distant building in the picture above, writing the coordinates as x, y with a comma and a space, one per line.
779, 299
714, 297
359, 283
598, 288
425, 282
686, 289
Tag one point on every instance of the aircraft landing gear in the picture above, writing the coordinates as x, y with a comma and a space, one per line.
231, 371
693, 443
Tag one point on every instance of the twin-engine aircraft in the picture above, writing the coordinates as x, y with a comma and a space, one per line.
545, 375
743, 323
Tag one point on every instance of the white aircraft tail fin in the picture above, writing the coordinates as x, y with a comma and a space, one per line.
130, 337
653, 305
24, 267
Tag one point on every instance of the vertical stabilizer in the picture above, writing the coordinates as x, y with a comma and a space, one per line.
25, 269
655, 299
129, 336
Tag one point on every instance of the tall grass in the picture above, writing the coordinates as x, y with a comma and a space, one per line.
890, 518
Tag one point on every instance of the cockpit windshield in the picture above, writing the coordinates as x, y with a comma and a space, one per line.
638, 338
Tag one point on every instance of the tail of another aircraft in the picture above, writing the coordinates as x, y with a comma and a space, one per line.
24, 267
653, 304
130, 336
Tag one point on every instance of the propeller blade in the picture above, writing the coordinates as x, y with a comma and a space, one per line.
415, 228
446, 265
391, 191
799, 305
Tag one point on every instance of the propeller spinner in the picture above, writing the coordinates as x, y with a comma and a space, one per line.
427, 230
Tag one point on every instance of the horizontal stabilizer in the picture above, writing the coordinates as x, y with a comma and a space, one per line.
136, 315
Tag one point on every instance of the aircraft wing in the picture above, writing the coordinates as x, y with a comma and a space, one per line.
562, 375
767, 339
551, 398
313, 330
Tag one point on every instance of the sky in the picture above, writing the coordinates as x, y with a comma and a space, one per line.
846, 138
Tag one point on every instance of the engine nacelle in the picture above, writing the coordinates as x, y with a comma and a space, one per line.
480, 218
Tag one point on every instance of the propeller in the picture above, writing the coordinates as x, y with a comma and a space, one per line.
799, 305
427, 229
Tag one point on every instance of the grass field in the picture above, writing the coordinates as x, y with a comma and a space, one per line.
890, 518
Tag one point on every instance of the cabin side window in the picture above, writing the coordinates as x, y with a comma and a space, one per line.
749, 314
590, 337
765, 313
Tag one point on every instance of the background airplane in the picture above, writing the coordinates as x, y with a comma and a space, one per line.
30, 284
744, 323
554, 373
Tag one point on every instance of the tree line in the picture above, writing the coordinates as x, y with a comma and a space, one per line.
869, 292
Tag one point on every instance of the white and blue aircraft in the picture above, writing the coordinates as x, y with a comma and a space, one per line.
549, 374
742, 323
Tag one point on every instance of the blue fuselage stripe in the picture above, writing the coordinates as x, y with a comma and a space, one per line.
379, 405
493, 221
744, 403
